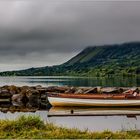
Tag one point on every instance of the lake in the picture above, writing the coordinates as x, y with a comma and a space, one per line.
96, 122
71, 81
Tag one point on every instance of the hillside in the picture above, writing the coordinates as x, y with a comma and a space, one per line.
122, 59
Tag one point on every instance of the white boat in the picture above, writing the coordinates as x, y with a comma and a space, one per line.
108, 100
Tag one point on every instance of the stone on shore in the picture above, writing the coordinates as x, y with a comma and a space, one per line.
111, 90
92, 90
5, 93
18, 98
36, 96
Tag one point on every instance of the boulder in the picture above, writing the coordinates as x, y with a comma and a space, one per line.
51, 88
71, 90
33, 101
111, 90
19, 98
38, 86
139, 88
42, 90
33, 96
32, 92
5, 93
17, 104
57, 89
13, 89
5, 87
91, 90
79, 91
43, 97
131, 90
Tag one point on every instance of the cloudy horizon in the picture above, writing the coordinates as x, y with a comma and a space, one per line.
50, 32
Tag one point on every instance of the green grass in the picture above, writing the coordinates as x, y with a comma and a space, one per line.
90, 55
32, 127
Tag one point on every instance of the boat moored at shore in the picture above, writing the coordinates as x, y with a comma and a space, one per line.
109, 100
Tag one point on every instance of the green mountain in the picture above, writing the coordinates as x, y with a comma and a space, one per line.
119, 59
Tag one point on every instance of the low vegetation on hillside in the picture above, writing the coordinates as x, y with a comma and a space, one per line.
122, 59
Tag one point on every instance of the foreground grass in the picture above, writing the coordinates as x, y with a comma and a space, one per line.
33, 127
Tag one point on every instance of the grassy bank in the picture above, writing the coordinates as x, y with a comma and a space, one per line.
33, 127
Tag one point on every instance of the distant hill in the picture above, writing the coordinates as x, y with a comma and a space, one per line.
119, 59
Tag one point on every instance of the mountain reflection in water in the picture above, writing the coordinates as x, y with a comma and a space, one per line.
71, 81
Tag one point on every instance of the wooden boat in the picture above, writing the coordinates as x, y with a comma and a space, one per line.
108, 100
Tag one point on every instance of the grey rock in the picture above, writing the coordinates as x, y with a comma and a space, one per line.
111, 90
92, 90
79, 91
17, 97
71, 90
5, 93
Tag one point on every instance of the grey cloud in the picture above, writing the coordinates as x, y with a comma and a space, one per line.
47, 32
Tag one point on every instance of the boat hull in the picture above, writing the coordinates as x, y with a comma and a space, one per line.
56, 101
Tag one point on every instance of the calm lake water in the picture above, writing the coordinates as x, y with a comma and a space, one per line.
92, 123
71, 81
97, 123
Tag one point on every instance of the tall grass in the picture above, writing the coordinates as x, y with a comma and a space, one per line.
32, 127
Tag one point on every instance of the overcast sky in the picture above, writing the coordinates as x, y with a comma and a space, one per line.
48, 32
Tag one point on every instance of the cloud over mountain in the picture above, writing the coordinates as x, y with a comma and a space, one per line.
47, 32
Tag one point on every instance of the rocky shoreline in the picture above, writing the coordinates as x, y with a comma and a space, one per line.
35, 97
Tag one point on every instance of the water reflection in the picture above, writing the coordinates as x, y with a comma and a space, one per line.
93, 119
96, 119
98, 123
93, 111
14, 110
71, 81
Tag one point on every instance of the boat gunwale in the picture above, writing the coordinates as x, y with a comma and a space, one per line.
95, 96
